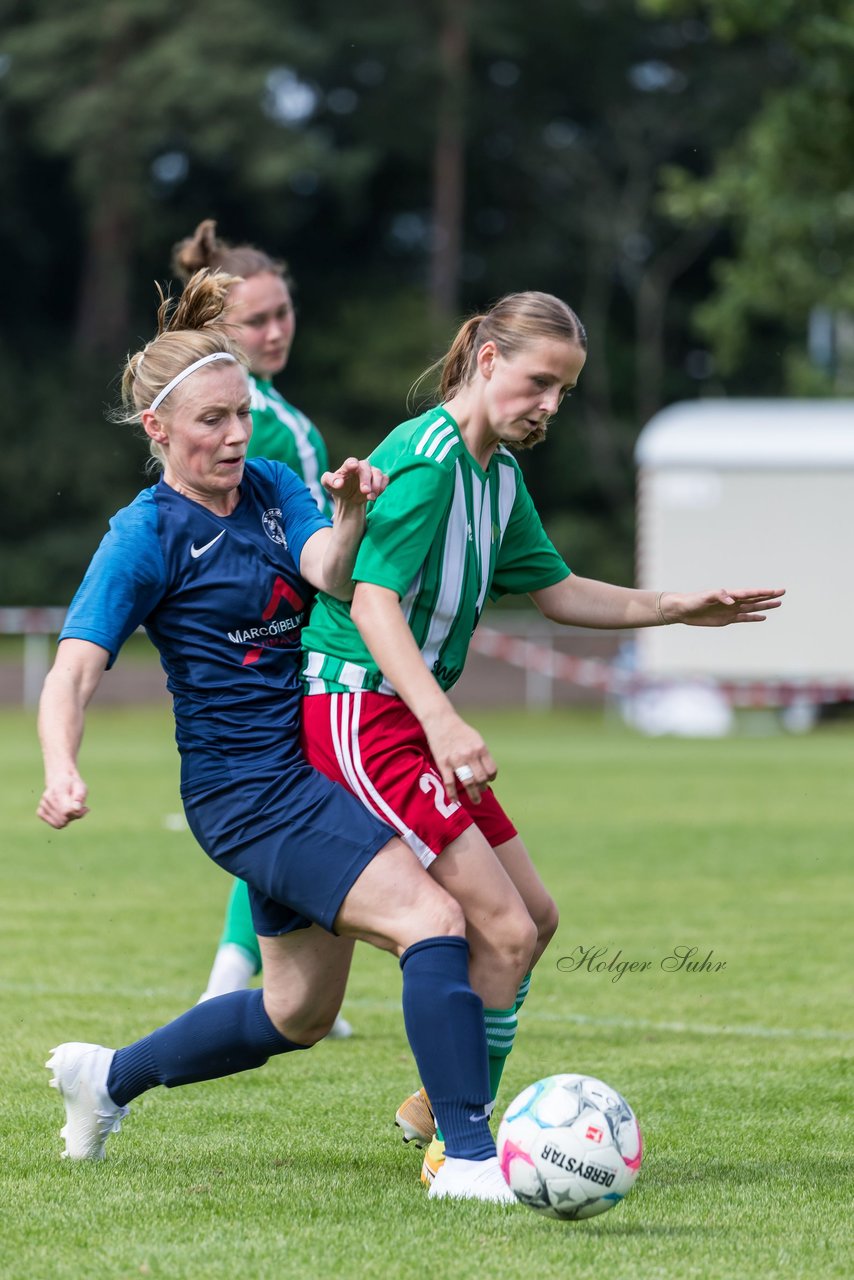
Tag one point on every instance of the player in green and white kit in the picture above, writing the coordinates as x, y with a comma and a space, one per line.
261, 311
451, 535
456, 527
285, 434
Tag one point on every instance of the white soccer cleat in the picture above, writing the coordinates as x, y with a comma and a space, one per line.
459, 1179
81, 1072
340, 1029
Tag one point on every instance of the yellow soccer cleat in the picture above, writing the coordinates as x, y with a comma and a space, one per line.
434, 1158
415, 1117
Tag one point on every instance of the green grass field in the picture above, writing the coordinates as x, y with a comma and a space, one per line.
741, 1077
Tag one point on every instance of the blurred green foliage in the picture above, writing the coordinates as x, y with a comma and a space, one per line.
662, 166
784, 185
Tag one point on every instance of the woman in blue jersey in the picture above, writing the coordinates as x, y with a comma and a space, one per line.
218, 562
261, 312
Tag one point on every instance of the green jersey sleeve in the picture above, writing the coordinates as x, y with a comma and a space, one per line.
403, 524
527, 560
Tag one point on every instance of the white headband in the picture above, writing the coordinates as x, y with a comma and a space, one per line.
170, 386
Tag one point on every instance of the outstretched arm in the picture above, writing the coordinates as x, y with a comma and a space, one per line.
583, 602
329, 555
69, 685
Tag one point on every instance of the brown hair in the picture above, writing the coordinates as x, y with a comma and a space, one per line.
203, 249
512, 323
187, 330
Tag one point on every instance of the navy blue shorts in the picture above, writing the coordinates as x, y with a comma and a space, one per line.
298, 840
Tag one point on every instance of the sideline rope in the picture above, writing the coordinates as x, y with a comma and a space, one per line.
609, 678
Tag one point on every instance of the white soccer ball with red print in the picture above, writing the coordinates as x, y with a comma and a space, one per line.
570, 1146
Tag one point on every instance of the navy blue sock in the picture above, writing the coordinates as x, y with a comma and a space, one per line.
220, 1037
444, 1023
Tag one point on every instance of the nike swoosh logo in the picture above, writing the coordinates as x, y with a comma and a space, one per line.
195, 551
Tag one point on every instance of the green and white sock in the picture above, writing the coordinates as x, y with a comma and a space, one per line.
524, 988
238, 956
501, 1027
500, 1033
233, 969
238, 928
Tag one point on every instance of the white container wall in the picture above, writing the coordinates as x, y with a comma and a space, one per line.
743, 493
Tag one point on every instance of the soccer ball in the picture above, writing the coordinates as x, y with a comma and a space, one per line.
569, 1146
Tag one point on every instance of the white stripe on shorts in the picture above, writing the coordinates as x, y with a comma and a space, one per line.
345, 740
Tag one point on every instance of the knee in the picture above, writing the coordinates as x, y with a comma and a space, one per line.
433, 914
525, 944
548, 919
309, 1031
303, 1027
446, 918
513, 941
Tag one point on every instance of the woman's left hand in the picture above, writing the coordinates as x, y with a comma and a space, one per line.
719, 608
356, 482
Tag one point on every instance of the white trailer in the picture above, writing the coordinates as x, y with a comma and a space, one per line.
751, 493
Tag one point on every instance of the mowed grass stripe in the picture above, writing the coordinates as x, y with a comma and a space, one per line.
741, 1077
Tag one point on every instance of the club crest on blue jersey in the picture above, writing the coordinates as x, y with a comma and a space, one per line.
271, 520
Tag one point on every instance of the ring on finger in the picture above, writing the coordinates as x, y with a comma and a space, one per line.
464, 773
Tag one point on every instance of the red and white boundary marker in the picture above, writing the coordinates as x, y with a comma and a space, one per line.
28, 620
609, 678
36, 625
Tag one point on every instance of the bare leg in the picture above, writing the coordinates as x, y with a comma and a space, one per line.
516, 860
305, 974
395, 905
499, 927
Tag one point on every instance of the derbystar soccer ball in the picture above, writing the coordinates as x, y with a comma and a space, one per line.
570, 1147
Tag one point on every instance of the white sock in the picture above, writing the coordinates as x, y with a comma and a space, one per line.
233, 969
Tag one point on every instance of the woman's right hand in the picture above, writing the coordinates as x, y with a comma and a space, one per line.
63, 800
68, 686
462, 757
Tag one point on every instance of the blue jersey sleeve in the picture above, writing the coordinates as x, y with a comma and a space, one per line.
124, 582
299, 514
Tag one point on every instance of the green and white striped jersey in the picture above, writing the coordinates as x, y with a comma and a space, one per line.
444, 536
282, 433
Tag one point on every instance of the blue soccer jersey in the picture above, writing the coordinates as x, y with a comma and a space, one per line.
222, 599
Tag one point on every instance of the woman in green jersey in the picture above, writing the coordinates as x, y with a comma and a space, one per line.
456, 527
261, 312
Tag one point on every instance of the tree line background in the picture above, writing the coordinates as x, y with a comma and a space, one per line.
680, 172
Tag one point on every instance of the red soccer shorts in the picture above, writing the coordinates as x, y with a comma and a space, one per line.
372, 744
